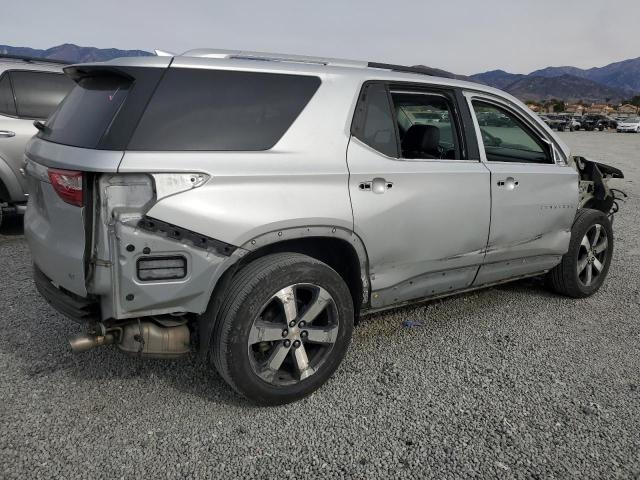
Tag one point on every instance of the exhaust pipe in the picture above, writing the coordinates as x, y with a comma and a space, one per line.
161, 338
86, 342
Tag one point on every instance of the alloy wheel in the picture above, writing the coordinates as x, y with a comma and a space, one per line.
293, 335
592, 255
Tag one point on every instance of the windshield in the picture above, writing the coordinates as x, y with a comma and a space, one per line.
632, 120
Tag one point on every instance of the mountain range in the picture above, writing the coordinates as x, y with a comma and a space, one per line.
72, 53
611, 83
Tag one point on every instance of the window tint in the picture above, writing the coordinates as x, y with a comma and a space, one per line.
195, 109
506, 139
39, 93
7, 104
426, 125
86, 113
374, 120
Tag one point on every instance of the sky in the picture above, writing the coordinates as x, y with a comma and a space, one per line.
463, 37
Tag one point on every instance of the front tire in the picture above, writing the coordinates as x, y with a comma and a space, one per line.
584, 267
283, 328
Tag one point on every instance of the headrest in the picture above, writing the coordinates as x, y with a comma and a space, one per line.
422, 139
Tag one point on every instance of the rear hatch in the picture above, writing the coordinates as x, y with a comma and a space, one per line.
85, 136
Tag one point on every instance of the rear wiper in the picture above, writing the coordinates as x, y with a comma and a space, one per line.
39, 125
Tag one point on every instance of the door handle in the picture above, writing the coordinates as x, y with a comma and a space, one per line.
377, 185
7, 134
508, 183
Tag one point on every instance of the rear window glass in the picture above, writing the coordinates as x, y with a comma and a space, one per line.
375, 127
195, 109
7, 105
39, 93
87, 112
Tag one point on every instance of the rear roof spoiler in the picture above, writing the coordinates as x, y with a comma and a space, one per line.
33, 59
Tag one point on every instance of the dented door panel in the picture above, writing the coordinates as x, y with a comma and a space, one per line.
535, 217
433, 218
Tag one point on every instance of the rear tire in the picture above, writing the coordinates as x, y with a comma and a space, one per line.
584, 267
283, 328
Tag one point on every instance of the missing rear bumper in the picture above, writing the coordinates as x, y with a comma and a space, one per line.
78, 309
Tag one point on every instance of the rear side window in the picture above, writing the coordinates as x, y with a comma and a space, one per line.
7, 105
37, 94
374, 123
86, 114
217, 110
426, 125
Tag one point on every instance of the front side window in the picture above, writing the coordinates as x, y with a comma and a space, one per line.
506, 138
39, 93
7, 104
426, 125
222, 110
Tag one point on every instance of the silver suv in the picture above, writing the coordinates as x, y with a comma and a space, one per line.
30, 89
252, 206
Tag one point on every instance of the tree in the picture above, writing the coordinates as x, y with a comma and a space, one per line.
559, 107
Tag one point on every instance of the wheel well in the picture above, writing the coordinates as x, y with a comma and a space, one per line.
603, 205
336, 253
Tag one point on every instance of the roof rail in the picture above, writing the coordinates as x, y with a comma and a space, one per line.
32, 59
333, 62
273, 57
406, 69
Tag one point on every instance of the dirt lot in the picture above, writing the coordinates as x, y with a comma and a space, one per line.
511, 382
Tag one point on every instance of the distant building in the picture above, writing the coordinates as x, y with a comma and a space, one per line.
599, 109
574, 109
628, 109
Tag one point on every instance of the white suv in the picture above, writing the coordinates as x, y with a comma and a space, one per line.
30, 89
252, 206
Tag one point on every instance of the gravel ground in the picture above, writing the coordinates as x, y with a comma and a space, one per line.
511, 382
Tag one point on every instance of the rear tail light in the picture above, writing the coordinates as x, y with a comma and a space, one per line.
68, 185
162, 268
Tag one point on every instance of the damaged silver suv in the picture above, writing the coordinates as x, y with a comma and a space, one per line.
252, 206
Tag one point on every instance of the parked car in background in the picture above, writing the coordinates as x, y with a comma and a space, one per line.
631, 124
253, 210
551, 119
560, 122
493, 119
568, 123
30, 89
598, 122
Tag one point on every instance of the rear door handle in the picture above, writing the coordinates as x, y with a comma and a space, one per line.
7, 134
508, 183
377, 185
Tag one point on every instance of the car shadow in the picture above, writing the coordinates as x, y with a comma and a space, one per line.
37, 337
41, 344
12, 225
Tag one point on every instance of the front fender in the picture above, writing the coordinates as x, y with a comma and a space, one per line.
595, 191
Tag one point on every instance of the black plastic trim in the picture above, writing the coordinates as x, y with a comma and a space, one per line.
150, 258
407, 69
468, 127
77, 308
178, 233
